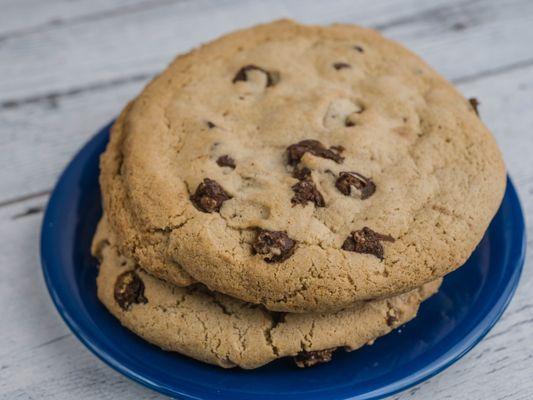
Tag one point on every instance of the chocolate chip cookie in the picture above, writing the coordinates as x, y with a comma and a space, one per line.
303, 168
217, 329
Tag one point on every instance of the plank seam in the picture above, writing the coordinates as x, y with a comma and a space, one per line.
528, 62
18, 199
440, 11
54, 96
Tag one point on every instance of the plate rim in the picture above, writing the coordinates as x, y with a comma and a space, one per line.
460, 348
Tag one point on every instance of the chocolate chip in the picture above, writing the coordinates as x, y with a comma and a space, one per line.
129, 289
272, 77
392, 319
305, 191
366, 241
348, 122
306, 359
226, 161
359, 49
302, 173
276, 245
210, 125
347, 180
296, 151
474, 103
209, 196
341, 65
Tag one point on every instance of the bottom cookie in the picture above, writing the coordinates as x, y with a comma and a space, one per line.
224, 331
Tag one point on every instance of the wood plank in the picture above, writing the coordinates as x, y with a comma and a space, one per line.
458, 36
37, 140
21, 17
500, 366
506, 109
39, 357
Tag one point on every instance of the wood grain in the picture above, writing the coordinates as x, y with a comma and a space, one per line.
60, 81
23, 17
449, 34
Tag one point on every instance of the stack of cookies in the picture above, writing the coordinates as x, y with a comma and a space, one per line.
288, 190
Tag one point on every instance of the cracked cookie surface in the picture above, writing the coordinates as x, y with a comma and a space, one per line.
224, 331
385, 142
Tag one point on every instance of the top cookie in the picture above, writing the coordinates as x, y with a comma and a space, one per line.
301, 167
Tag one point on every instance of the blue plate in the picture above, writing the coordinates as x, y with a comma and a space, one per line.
449, 324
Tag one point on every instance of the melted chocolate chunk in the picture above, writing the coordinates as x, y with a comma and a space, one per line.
296, 151
347, 180
129, 289
272, 77
302, 173
366, 241
209, 196
475, 104
226, 161
306, 359
210, 125
359, 49
305, 191
341, 65
276, 245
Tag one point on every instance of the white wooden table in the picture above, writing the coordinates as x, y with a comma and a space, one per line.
67, 67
